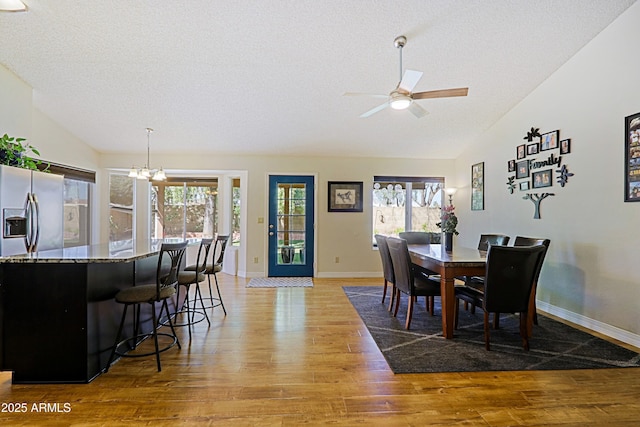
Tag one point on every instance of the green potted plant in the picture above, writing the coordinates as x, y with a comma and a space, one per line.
15, 152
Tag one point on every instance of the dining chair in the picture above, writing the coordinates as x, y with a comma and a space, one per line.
531, 241
161, 291
477, 282
408, 281
387, 268
509, 280
419, 238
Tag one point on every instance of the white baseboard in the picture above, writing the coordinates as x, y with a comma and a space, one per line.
349, 274
591, 324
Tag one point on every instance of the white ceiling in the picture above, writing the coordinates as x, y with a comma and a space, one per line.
268, 76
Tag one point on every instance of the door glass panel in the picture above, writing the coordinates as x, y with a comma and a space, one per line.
290, 225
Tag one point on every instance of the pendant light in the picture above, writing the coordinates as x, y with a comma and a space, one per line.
145, 172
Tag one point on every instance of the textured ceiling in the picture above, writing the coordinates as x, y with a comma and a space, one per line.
268, 76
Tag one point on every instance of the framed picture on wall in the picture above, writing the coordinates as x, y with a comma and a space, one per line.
532, 148
477, 187
511, 166
549, 140
522, 169
565, 146
632, 158
524, 185
542, 179
520, 151
345, 196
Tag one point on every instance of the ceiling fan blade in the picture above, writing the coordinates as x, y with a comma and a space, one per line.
410, 80
375, 110
417, 110
442, 93
373, 95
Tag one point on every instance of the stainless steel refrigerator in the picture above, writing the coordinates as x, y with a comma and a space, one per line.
32, 209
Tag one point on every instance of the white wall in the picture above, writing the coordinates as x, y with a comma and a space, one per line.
590, 275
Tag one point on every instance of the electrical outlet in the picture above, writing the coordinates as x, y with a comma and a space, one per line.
337, 259
255, 260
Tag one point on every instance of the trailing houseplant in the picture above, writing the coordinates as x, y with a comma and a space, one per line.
15, 152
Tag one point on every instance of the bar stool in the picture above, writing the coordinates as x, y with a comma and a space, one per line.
163, 289
212, 269
193, 276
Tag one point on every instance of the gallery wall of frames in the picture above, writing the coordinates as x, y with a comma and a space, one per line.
539, 167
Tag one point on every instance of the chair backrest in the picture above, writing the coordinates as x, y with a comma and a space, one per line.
416, 237
533, 241
171, 254
385, 256
510, 276
402, 267
218, 250
492, 239
203, 254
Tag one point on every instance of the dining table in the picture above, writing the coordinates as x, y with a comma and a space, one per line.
461, 261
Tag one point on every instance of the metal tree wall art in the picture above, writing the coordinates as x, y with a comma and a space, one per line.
536, 199
511, 185
563, 175
533, 162
534, 132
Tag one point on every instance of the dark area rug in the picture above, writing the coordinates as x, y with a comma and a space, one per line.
554, 345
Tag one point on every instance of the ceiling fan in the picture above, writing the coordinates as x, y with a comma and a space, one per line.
402, 97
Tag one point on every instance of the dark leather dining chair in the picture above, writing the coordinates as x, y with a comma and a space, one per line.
419, 238
531, 241
387, 268
477, 282
408, 281
509, 280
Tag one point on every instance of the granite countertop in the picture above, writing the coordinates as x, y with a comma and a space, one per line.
122, 251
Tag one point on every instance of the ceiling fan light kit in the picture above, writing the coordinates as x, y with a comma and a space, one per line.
12, 6
402, 97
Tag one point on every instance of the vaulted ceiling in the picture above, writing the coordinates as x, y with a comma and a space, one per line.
268, 76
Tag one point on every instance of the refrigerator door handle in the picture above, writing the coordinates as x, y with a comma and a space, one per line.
34, 243
27, 212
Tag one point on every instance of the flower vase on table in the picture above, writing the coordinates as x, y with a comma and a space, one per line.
448, 242
448, 223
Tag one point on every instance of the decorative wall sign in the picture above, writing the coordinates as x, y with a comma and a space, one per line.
477, 187
543, 153
345, 196
632, 158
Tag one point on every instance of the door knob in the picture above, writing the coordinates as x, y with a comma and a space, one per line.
271, 226
271, 233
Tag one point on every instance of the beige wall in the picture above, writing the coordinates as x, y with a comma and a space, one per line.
344, 235
590, 274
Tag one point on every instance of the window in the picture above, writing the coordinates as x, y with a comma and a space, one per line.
406, 204
184, 208
235, 213
77, 212
120, 208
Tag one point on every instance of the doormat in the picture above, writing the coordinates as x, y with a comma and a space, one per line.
553, 346
280, 282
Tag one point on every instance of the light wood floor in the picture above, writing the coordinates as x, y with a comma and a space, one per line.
292, 356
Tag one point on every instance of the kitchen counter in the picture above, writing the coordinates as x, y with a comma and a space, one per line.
58, 316
123, 251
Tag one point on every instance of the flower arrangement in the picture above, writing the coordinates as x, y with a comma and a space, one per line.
448, 220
